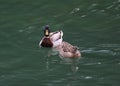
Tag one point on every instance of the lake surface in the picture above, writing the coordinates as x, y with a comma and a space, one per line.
92, 25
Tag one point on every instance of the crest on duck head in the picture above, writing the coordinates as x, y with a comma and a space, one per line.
46, 31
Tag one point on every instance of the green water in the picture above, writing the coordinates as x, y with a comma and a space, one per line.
92, 25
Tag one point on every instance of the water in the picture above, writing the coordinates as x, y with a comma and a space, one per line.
93, 26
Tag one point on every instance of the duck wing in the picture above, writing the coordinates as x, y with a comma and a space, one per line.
67, 47
54, 36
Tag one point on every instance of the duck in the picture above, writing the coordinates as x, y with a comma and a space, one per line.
67, 50
51, 39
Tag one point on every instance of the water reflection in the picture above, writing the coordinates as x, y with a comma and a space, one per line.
47, 64
72, 62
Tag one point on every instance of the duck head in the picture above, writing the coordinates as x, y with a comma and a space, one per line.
46, 31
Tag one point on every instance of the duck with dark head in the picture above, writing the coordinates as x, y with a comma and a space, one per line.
46, 42
51, 39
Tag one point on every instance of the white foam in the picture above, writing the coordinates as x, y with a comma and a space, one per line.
102, 10
88, 77
94, 4
98, 63
75, 10
21, 31
109, 7
83, 16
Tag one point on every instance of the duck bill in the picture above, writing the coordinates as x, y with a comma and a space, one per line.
46, 33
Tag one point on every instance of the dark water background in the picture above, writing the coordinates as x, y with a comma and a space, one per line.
92, 25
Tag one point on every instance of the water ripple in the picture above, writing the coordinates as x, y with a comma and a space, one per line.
105, 49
